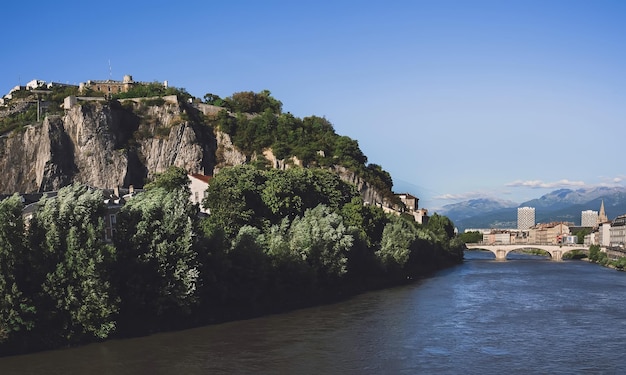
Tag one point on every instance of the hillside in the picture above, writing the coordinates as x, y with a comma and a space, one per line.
126, 140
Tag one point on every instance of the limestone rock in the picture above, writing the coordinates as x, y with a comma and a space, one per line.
108, 144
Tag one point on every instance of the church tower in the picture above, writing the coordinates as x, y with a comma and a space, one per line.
602, 215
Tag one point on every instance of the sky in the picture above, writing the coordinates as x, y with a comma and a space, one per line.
455, 99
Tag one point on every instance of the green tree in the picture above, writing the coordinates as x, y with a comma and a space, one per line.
234, 199
471, 237
595, 255
214, 100
369, 220
250, 102
441, 226
158, 268
172, 179
16, 307
581, 235
291, 277
323, 241
347, 151
397, 242
77, 300
247, 275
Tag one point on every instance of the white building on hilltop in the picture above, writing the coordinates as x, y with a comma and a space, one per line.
525, 217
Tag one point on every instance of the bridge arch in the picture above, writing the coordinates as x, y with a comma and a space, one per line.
502, 250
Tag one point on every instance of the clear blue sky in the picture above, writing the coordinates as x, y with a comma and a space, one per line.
456, 99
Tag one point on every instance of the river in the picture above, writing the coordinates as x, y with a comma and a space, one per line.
525, 315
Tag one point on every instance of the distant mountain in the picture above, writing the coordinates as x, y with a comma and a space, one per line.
563, 198
559, 205
470, 208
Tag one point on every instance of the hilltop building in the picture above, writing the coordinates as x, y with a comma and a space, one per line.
525, 217
108, 86
411, 204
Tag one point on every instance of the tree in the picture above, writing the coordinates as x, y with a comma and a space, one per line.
348, 152
158, 268
172, 179
581, 235
471, 237
214, 100
247, 274
291, 275
284, 192
323, 241
77, 299
250, 102
397, 242
441, 226
369, 220
595, 254
16, 307
290, 192
234, 199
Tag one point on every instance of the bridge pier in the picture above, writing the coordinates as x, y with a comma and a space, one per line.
501, 254
557, 255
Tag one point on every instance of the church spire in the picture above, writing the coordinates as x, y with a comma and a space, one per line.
602, 215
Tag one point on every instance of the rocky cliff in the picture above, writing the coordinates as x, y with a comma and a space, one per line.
104, 145
108, 144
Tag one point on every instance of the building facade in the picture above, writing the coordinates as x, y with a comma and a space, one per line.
589, 218
618, 232
198, 186
108, 86
525, 217
549, 234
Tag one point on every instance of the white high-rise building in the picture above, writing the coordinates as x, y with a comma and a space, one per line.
525, 217
588, 218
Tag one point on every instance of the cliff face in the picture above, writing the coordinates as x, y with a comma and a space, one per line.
104, 145
107, 144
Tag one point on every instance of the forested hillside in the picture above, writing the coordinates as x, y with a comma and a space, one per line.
275, 240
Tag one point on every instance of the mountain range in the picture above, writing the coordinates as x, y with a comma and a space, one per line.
558, 205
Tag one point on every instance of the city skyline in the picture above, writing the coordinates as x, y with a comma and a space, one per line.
455, 99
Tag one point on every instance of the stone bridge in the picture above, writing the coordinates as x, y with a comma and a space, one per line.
502, 250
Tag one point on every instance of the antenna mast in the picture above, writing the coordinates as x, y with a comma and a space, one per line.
110, 71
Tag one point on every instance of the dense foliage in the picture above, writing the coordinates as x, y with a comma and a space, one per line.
471, 237
152, 89
602, 258
312, 139
274, 240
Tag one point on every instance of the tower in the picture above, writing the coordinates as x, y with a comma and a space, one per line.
525, 217
602, 215
589, 218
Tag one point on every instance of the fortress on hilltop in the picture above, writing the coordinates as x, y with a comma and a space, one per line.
110, 86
